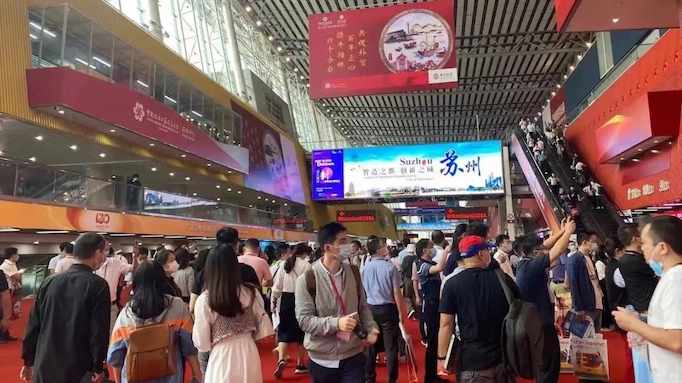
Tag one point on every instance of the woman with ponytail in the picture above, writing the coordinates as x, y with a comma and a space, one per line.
283, 290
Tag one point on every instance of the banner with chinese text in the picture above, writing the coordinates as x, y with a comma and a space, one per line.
401, 48
458, 168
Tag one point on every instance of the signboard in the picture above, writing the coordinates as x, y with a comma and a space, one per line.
458, 168
289, 221
125, 108
424, 203
420, 211
273, 160
426, 226
356, 215
464, 213
400, 48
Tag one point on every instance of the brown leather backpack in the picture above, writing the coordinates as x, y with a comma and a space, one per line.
152, 352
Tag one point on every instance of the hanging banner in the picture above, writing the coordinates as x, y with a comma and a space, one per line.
356, 215
401, 48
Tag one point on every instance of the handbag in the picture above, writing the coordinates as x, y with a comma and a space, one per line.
264, 326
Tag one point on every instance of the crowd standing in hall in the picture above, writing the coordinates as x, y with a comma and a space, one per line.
344, 307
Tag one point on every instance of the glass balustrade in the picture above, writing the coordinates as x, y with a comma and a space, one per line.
64, 188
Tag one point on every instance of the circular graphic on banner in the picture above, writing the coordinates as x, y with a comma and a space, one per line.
416, 40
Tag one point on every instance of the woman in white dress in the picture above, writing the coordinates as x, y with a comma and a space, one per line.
227, 318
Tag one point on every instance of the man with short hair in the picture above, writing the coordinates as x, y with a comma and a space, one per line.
68, 330
633, 273
503, 254
55, 260
583, 283
382, 284
14, 277
112, 271
333, 313
662, 249
476, 297
439, 243
5, 309
252, 258
532, 280
68, 259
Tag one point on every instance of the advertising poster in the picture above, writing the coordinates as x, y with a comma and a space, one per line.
400, 48
565, 347
458, 168
273, 161
590, 358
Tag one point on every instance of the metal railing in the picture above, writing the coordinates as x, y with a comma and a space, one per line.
60, 187
611, 76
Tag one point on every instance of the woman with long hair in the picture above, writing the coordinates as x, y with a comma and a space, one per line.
151, 305
166, 258
184, 277
283, 290
228, 315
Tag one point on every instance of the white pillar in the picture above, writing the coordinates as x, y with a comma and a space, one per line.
604, 52
508, 199
233, 51
155, 27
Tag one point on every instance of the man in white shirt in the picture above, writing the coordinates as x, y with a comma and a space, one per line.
112, 271
662, 248
503, 254
119, 255
14, 276
55, 260
252, 258
67, 261
553, 182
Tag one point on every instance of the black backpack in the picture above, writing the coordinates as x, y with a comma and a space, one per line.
522, 337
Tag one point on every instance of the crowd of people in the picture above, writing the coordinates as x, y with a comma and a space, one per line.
551, 138
342, 304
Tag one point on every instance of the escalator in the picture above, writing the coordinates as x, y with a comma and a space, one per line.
549, 205
605, 219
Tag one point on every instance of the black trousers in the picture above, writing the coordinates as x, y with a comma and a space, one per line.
431, 319
351, 370
550, 368
387, 318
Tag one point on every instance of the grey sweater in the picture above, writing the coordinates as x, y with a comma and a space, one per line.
319, 318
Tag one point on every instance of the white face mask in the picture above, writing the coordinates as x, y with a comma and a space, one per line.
171, 267
594, 247
345, 252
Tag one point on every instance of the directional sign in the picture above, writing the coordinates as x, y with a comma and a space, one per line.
356, 215
462, 213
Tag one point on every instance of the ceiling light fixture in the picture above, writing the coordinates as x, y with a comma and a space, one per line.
171, 174
170, 99
229, 189
635, 159
112, 130
239, 192
287, 59
143, 84
565, 76
286, 204
36, 243
61, 111
259, 23
247, 9
187, 178
279, 49
218, 199
588, 44
217, 186
194, 194
73, 147
571, 67
208, 165
153, 169
32, 159
152, 144
39, 138
270, 38
558, 85
615, 20
580, 57
184, 156
8, 229
655, 151
259, 197
102, 155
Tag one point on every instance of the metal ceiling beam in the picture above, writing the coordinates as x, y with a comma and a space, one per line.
451, 118
431, 108
469, 91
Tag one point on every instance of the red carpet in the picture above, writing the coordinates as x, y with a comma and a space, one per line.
10, 355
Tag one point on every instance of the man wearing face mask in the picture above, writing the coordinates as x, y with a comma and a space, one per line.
583, 282
113, 271
332, 310
71, 315
633, 273
503, 254
662, 248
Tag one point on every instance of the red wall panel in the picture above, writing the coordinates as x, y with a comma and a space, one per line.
658, 70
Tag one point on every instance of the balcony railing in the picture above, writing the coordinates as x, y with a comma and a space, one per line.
51, 186
614, 74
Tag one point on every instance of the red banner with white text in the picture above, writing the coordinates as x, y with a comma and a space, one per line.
401, 48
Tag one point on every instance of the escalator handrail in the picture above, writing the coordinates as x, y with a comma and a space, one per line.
554, 203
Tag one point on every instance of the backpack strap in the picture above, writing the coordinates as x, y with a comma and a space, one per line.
358, 281
507, 290
310, 282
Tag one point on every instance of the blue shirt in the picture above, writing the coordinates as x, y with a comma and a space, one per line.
430, 283
532, 280
559, 271
401, 255
379, 278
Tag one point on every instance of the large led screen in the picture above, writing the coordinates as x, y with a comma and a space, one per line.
458, 168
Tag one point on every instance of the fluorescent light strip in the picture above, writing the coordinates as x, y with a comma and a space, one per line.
53, 232
34, 37
102, 61
103, 233
38, 27
176, 236
195, 238
122, 235
152, 236
143, 84
7, 229
672, 204
197, 113
85, 63
170, 99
